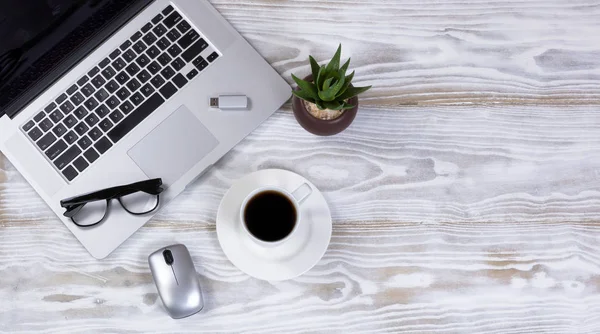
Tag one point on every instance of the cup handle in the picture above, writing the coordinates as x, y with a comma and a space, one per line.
302, 193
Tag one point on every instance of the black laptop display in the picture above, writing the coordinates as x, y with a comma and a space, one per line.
41, 39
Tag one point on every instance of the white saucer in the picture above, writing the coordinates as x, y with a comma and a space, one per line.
294, 257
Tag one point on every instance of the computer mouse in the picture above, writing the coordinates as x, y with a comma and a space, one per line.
176, 279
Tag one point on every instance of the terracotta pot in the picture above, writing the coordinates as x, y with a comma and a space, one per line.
319, 126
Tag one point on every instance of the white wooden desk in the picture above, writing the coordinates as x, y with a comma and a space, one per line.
465, 196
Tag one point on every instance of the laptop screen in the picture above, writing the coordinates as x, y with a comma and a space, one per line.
41, 39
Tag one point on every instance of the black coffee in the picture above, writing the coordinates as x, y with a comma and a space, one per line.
270, 216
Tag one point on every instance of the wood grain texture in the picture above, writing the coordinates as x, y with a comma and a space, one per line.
464, 196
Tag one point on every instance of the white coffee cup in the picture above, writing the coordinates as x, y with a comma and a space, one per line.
296, 198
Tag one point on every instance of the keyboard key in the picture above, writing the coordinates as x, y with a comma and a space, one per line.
91, 104
70, 121
123, 93
56, 149
116, 115
46, 141
70, 137
188, 39
159, 30
142, 60
137, 98
136, 36
46, 124
59, 130
95, 133
178, 64
194, 50
137, 116
80, 112
91, 120
183, 26
179, 80
77, 98
35, 133
147, 27
174, 50
164, 59
50, 107
80, 164
172, 19
133, 84
106, 124
70, 173
173, 35
143, 76
104, 62
67, 107
81, 128
132, 69
157, 81
103, 145
154, 67
93, 72
84, 142
126, 107
88, 90
83, 80
139, 47
67, 157
114, 54
147, 90
72, 89
150, 38
153, 52
102, 111
98, 81
163, 43
40, 116
28, 126
56, 116
108, 72
157, 19
167, 72
125, 45
167, 10
61, 98
112, 102
200, 63
111, 86
212, 57
102, 94
119, 64
168, 90
129, 56
191, 74
91, 155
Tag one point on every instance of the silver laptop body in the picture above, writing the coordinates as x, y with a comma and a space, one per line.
176, 137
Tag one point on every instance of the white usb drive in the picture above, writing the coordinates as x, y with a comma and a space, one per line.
229, 102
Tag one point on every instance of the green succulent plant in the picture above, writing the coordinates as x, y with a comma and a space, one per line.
330, 87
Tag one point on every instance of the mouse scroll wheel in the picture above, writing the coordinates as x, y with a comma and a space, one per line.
168, 257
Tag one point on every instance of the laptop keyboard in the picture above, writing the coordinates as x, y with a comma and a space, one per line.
117, 94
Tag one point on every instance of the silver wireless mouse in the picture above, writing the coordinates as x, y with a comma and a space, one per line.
175, 278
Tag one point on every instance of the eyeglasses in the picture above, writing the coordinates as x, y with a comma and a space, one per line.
91, 209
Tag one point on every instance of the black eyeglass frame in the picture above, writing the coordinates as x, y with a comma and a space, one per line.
74, 204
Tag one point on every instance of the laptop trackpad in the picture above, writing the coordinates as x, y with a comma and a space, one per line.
173, 147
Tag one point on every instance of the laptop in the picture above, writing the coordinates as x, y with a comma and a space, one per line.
100, 93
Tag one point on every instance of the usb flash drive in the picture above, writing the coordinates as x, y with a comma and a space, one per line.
229, 102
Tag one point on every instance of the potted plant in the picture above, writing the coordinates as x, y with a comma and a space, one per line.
325, 102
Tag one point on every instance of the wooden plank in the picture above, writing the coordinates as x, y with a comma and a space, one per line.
412, 164
437, 52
